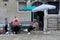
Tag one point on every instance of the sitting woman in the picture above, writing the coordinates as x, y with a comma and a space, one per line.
15, 24
33, 25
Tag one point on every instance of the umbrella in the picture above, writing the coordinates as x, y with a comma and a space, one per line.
43, 7
29, 8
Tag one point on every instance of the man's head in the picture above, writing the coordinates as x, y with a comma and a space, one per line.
34, 20
15, 16
6, 18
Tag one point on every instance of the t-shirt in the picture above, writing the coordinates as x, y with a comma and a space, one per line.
6, 22
35, 24
15, 22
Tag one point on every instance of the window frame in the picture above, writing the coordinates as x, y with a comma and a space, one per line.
18, 7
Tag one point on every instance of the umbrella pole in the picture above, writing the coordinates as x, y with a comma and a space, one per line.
33, 15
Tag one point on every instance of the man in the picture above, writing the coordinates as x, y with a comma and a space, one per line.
33, 25
6, 25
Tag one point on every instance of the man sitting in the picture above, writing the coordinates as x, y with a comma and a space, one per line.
33, 25
15, 25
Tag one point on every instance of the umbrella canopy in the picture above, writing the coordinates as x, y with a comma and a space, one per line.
29, 8
43, 7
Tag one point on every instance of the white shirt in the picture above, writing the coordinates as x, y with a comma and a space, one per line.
35, 24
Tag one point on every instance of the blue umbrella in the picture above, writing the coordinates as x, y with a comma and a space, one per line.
29, 8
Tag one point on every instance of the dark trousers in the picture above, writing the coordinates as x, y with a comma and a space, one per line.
16, 29
6, 28
30, 28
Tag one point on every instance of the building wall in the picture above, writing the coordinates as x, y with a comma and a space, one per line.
51, 21
10, 10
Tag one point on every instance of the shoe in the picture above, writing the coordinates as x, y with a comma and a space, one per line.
11, 34
7, 33
29, 33
26, 30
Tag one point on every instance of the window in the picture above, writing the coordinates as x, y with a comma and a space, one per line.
54, 11
5, 0
21, 5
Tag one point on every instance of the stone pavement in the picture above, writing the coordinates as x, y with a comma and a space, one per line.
51, 35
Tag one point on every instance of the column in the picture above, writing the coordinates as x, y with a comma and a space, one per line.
45, 20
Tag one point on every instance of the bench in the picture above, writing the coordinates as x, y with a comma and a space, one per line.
24, 25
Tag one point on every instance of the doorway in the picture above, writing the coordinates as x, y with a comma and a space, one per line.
40, 17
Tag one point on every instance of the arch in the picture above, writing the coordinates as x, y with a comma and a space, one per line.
37, 3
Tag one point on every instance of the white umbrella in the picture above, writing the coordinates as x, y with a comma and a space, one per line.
43, 7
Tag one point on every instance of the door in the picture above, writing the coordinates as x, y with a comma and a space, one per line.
40, 17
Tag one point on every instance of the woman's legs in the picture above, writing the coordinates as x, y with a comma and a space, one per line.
6, 28
16, 29
30, 28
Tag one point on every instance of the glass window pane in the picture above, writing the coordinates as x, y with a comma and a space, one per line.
54, 11
21, 5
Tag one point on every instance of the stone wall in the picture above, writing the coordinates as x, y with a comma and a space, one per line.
10, 10
53, 22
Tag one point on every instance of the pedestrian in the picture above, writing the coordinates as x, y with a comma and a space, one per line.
16, 24
6, 25
33, 25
